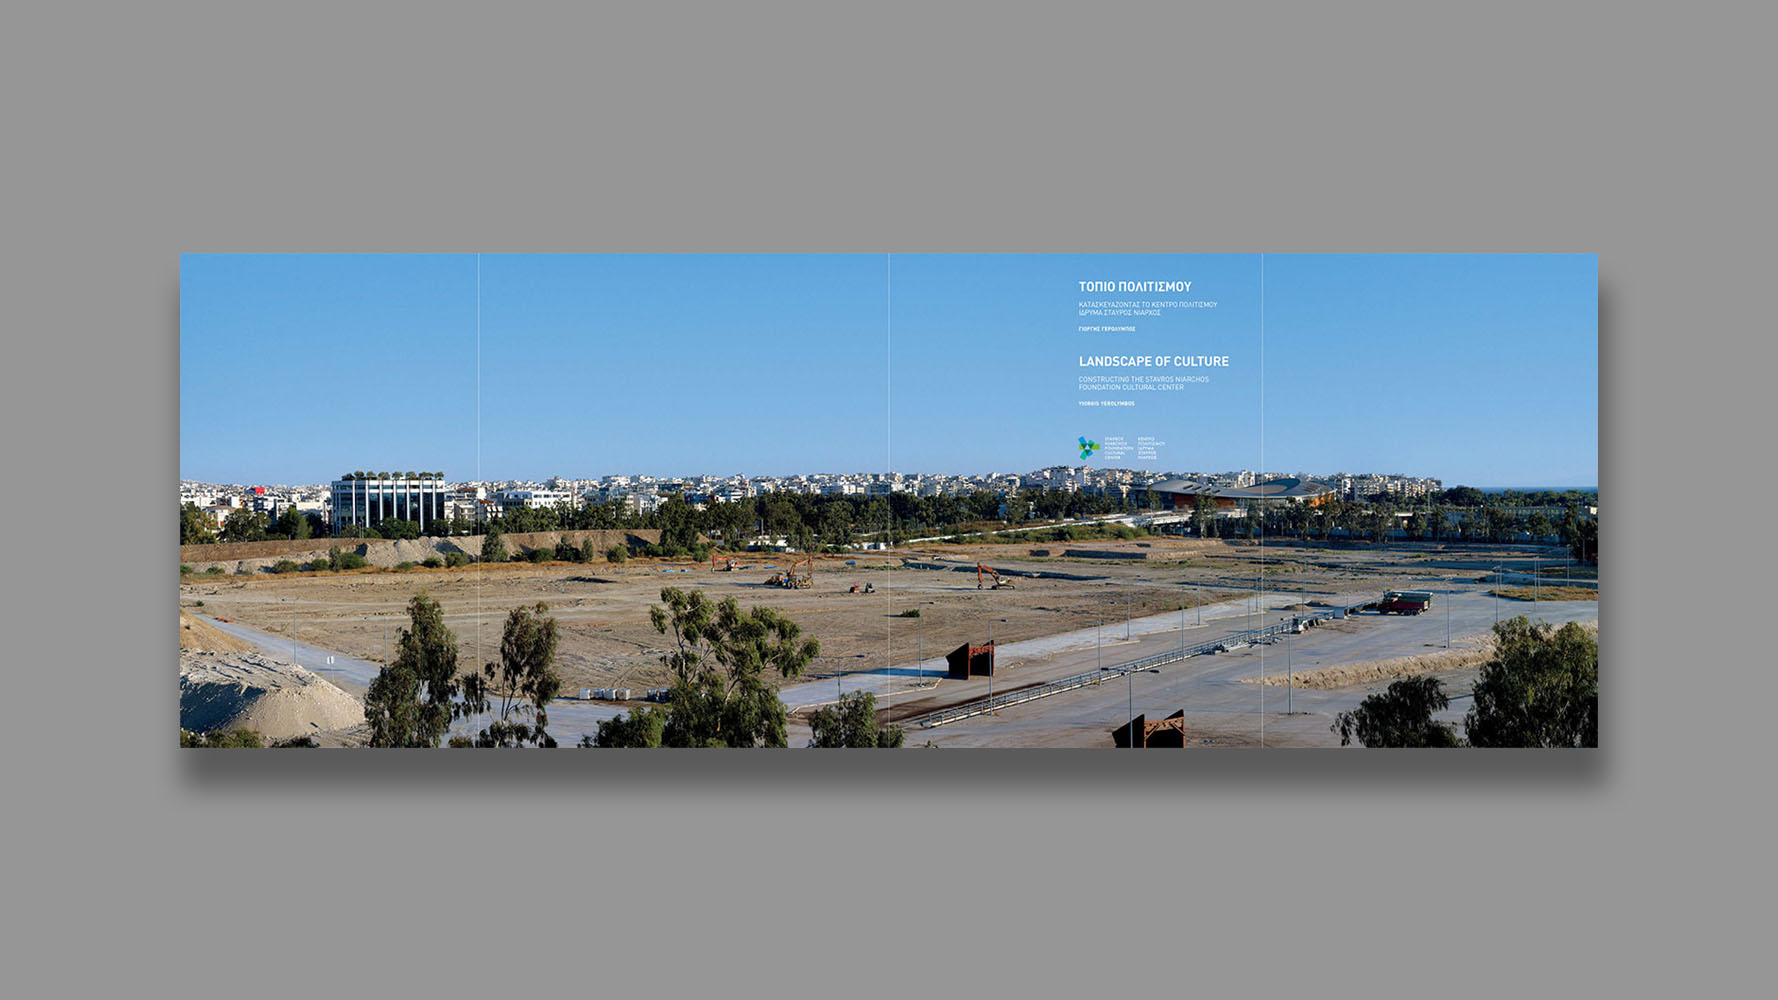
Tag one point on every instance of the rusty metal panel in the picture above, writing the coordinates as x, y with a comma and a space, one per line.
1121, 735
981, 660
968, 661
1168, 732
957, 663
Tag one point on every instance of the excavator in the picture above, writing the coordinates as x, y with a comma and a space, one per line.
791, 579
984, 573
724, 564
863, 588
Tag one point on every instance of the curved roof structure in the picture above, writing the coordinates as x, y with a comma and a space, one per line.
1272, 489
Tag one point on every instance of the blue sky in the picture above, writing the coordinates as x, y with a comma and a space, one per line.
986, 361
295, 368
1479, 369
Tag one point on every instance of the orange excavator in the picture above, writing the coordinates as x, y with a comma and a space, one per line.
985, 573
724, 564
791, 579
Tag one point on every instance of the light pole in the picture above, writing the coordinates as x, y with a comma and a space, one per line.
1290, 678
991, 656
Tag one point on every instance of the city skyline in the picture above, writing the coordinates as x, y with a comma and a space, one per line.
1135, 477
676, 365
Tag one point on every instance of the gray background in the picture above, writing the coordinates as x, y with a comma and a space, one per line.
137, 133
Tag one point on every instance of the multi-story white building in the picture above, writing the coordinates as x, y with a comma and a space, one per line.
365, 498
507, 500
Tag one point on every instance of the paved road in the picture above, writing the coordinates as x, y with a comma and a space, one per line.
348, 672
1034, 659
1210, 688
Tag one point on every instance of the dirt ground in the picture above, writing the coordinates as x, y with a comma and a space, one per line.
1473, 652
197, 636
249, 690
606, 640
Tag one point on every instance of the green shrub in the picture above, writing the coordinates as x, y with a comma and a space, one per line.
616, 554
230, 739
317, 565
198, 604
493, 546
910, 613
565, 551
403, 566
215, 571
588, 551
432, 562
540, 554
285, 566
456, 558
184, 568
345, 560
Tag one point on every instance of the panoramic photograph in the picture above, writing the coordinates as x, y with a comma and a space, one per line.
894, 501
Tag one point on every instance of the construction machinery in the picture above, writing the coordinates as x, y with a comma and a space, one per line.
792, 580
863, 588
724, 564
983, 574
1405, 602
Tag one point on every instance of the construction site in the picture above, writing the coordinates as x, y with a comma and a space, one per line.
971, 645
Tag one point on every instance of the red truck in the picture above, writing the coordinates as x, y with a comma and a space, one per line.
1405, 602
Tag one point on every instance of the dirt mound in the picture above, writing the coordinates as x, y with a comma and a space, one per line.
1468, 654
200, 636
248, 690
1379, 671
258, 557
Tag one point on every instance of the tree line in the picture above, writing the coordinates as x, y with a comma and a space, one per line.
810, 521
1430, 521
